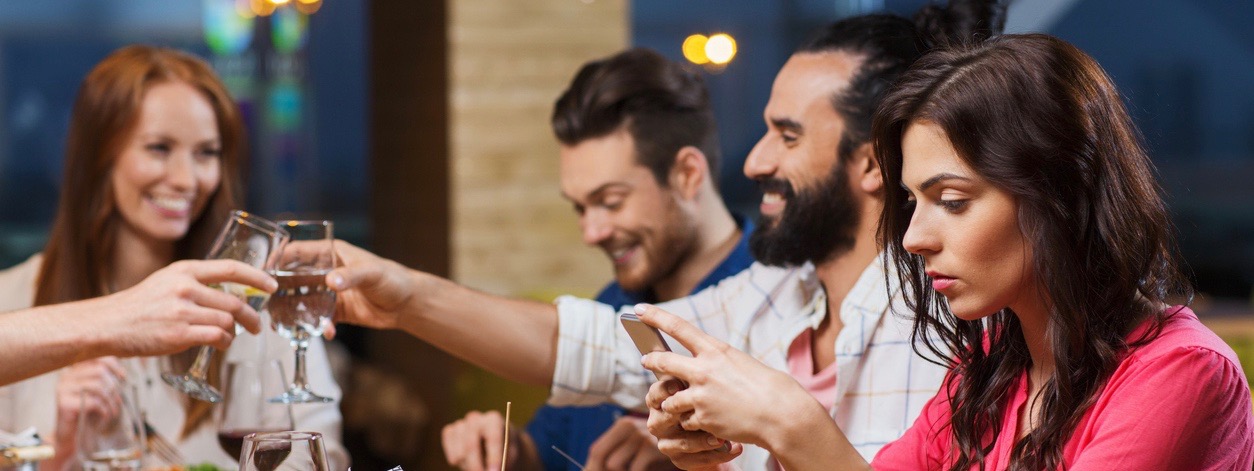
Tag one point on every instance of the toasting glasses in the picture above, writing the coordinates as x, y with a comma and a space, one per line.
303, 305
249, 239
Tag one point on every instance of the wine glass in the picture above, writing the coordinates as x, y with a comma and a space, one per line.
250, 239
293, 450
244, 407
302, 306
111, 442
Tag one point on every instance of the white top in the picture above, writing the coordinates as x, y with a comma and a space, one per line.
33, 402
881, 383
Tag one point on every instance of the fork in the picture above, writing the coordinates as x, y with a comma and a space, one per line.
162, 447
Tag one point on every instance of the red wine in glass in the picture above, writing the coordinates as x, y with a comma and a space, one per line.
232, 441
269, 456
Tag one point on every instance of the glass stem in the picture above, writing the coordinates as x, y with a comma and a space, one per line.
201, 366
298, 378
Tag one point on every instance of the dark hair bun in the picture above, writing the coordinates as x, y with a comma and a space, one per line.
962, 22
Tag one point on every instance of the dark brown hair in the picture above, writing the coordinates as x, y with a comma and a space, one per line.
888, 45
1040, 120
106, 112
664, 105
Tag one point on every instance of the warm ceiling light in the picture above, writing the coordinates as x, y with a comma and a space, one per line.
694, 49
720, 48
279, 2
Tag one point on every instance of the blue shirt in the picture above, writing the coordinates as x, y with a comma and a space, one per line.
573, 429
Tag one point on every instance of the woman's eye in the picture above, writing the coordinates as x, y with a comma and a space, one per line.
211, 153
953, 206
158, 148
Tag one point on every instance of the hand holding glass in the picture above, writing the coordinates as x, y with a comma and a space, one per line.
111, 442
256, 242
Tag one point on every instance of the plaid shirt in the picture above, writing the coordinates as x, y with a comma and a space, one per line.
881, 383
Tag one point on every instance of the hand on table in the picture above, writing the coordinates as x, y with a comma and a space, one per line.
627, 446
474, 443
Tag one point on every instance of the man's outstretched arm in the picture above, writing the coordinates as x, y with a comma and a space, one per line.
513, 338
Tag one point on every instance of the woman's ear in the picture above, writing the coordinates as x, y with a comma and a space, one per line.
689, 171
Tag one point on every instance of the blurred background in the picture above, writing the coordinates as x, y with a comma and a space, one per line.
421, 128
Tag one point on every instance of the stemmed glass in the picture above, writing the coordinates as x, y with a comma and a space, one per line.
107, 441
302, 306
244, 408
250, 239
294, 450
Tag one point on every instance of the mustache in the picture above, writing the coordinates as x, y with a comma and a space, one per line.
776, 185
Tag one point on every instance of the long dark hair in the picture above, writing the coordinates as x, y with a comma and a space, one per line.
1042, 121
81, 244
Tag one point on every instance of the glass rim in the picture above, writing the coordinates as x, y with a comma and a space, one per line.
305, 222
259, 223
284, 436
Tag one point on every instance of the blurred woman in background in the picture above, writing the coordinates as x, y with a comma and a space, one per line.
152, 171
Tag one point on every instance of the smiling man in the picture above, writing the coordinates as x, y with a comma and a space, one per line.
816, 304
638, 161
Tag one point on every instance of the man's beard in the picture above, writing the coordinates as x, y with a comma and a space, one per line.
817, 224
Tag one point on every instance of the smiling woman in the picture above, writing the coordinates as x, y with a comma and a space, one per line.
152, 166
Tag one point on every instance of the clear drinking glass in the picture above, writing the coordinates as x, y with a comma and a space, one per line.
244, 407
291, 450
108, 442
250, 239
302, 306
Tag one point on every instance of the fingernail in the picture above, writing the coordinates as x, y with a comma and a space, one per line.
641, 308
713, 440
337, 281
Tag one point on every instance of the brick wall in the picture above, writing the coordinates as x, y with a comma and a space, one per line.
509, 60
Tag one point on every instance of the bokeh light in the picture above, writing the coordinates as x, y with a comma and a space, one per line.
720, 48
694, 49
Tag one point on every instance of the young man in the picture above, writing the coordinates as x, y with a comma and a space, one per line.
639, 158
816, 304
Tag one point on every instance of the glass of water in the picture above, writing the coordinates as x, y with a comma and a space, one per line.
111, 440
302, 306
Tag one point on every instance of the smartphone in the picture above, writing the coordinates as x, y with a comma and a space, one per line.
646, 337
648, 340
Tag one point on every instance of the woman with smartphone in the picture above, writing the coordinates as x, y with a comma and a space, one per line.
1030, 238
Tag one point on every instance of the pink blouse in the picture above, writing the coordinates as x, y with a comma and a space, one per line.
1178, 402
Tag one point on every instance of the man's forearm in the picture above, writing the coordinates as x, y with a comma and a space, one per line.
513, 338
36, 341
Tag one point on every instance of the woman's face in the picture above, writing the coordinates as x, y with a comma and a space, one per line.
965, 229
170, 165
